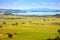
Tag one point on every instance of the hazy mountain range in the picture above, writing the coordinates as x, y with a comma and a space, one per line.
44, 10
9, 11
29, 10
12, 11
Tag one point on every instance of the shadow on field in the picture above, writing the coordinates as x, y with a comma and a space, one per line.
57, 37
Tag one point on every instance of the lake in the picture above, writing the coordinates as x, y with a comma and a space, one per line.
37, 13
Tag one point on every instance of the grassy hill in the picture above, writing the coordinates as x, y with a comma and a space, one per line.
29, 28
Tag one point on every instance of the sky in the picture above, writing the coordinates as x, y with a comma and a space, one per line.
28, 4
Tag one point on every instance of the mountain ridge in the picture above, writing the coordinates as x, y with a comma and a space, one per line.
10, 11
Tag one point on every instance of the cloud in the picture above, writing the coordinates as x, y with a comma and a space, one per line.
58, 3
33, 3
18, 2
15, 3
52, 3
44, 3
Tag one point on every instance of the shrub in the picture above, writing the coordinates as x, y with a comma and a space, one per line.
15, 32
59, 31
57, 38
10, 35
4, 22
1, 26
16, 23
56, 23
49, 39
29, 21
23, 23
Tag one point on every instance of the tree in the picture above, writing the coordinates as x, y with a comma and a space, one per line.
49, 39
10, 35
1, 26
16, 23
23, 23
59, 31
4, 22
57, 38
30, 22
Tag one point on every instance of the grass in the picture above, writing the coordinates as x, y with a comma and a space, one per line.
36, 30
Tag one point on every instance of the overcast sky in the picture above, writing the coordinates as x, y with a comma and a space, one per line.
27, 4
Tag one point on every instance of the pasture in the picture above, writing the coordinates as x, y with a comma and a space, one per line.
28, 28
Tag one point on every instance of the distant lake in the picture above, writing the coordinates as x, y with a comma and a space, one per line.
38, 13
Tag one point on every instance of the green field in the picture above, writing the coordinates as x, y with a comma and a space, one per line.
29, 28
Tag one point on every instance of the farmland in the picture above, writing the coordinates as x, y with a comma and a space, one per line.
28, 28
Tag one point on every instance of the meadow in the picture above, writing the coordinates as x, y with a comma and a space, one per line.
28, 28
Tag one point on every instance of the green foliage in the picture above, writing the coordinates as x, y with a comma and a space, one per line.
10, 35
59, 31
1, 26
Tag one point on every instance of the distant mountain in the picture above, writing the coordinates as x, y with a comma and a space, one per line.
43, 10
29, 10
10, 11
57, 15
